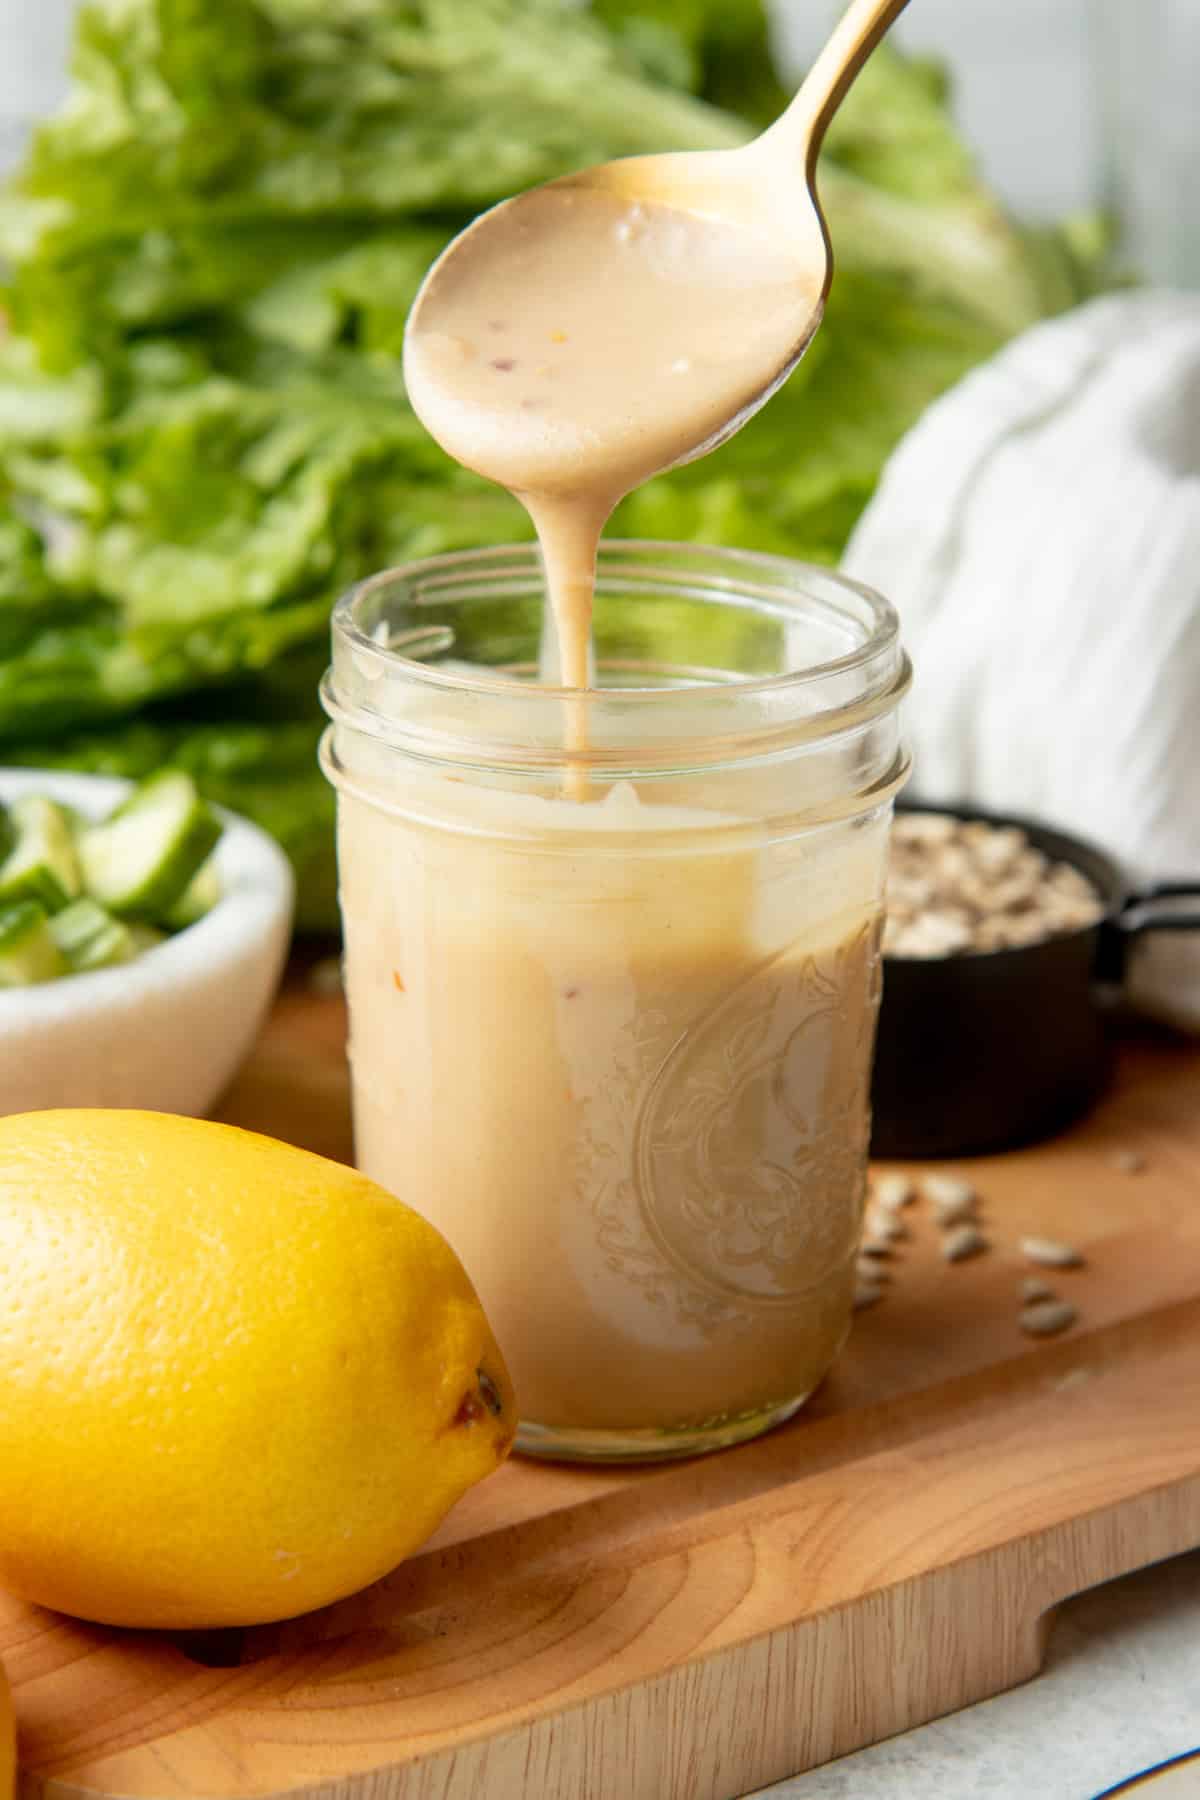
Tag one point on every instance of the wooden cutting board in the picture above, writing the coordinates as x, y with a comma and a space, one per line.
696, 1631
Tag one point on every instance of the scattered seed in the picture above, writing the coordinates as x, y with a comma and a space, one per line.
866, 1294
1130, 1162
1043, 1318
893, 1192
954, 1202
1050, 1254
885, 1228
946, 1190
963, 1241
1035, 1287
505, 364
871, 1269
956, 1212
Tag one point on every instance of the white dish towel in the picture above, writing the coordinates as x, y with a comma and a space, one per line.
1039, 532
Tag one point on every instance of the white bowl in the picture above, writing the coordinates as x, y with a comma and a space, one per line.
167, 1031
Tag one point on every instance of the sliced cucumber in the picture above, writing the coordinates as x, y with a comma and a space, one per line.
42, 864
91, 938
28, 953
139, 862
199, 897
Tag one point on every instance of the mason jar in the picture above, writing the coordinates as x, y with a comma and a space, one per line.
612, 1008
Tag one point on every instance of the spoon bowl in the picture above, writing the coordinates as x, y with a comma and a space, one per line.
625, 248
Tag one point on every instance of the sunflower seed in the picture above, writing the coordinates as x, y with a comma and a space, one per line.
956, 1212
958, 885
1034, 1287
893, 1192
1043, 1318
885, 1228
1050, 1254
963, 1241
869, 1269
943, 1190
866, 1294
952, 1199
1130, 1162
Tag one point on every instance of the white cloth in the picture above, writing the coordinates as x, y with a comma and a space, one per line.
1039, 532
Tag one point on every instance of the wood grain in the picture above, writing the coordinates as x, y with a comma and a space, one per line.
693, 1632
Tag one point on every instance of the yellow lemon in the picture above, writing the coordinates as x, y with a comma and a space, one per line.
237, 1381
8, 1742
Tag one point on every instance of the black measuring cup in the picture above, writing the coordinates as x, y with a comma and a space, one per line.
991, 1049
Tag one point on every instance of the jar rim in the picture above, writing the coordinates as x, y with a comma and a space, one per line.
695, 718
884, 636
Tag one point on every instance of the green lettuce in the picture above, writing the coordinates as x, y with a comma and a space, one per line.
212, 249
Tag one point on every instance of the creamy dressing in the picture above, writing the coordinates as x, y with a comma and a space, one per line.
583, 342
632, 1091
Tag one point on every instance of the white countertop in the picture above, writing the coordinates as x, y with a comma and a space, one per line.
1119, 1693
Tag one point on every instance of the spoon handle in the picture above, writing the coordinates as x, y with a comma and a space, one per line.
803, 125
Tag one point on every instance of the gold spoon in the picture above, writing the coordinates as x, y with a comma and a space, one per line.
753, 188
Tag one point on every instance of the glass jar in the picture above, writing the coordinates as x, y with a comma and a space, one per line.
611, 1014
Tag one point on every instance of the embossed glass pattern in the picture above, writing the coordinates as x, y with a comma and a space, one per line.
619, 1052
